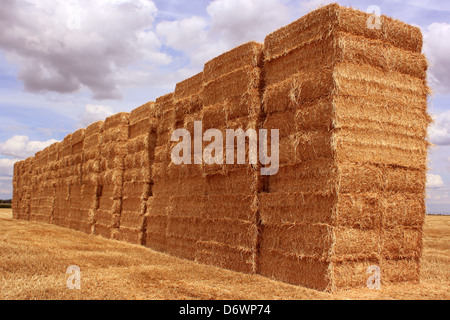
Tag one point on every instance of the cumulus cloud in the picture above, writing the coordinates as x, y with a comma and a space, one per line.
7, 167
439, 131
93, 113
21, 147
434, 181
437, 48
230, 23
244, 20
62, 46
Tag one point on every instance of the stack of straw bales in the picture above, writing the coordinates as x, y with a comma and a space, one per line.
17, 194
51, 180
186, 184
350, 103
62, 194
44, 193
36, 185
157, 204
25, 184
231, 100
90, 176
76, 220
137, 185
353, 122
113, 151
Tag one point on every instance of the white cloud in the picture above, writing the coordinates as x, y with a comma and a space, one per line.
439, 131
231, 23
62, 46
21, 147
93, 113
245, 20
437, 49
434, 181
7, 167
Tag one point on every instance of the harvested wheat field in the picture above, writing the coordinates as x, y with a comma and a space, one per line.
35, 256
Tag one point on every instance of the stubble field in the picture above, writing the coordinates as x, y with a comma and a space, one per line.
34, 258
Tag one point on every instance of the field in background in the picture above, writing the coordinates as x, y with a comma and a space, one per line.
34, 258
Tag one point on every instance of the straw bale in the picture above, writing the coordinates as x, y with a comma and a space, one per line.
401, 242
180, 247
132, 219
94, 129
183, 227
141, 113
298, 207
323, 21
248, 54
403, 209
352, 274
361, 50
213, 117
355, 244
80, 226
386, 115
130, 235
226, 256
376, 150
362, 81
186, 205
358, 178
53, 152
294, 269
393, 31
183, 172
66, 146
229, 206
282, 121
300, 89
164, 111
102, 230
304, 60
155, 234
156, 223
359, 210
310, 176
119, 120
140, 128
232, 85
397, 271
187, 185
190, 86
231, 232
187, 105
305, 146
308, 240
246, 105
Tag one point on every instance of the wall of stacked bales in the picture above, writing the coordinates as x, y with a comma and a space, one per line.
350, 191
351, 106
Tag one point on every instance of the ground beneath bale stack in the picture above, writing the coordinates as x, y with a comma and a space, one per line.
34, 257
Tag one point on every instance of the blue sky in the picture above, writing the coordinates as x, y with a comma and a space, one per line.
65, 64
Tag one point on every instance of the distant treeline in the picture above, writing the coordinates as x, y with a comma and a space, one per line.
5, 203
